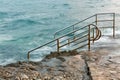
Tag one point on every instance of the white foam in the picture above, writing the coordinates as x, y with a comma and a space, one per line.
36, 59
116, 53
104, 39
45, 50
5, 37
38, 55
64, 38
117, 32
7, 61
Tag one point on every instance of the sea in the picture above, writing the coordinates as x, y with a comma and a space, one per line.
26, 24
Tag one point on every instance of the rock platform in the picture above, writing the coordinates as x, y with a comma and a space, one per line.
101, 63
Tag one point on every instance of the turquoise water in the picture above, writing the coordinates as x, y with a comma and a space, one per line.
26, 24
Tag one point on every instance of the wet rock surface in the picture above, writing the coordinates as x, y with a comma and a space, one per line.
65, 66
103, 66
104, 62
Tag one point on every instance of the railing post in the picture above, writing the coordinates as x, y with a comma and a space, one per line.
93, 35
113, 25
58, 45
74, 38
28, 56
68, 42
73, 27
54, 36
74, 32
96, 19
89, 38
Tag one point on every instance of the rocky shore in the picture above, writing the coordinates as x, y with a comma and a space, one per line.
102, 63
80, 66
63, 66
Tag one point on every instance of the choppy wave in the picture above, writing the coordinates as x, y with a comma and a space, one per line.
20, 24
40, 53
3, 15
7, 61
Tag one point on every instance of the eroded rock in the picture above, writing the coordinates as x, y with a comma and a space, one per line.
105, 67
64, 66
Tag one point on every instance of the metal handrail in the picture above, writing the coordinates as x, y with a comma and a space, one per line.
73, 40
98, 33
73, 25
72, 32
28, 54
96, 21
104, 13
93, 38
